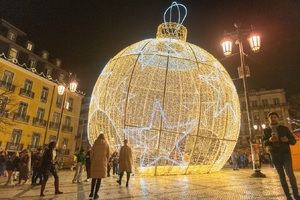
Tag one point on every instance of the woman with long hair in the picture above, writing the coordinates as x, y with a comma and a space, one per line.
99, 158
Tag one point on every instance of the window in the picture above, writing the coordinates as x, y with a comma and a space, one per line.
265, 102
35, 139
69, 104
29, 46
7, 77
3, 102
11, 35
56, 117
12, 53
266, 114
58, 62
52, 138
276, 101
68, 121
45, 55
48, 71
256, 116
16, 136
44, 94
254, 104
61, 77
64, 143
22, 110
27, 85
59, 101
40, 113
32, 63
243, 105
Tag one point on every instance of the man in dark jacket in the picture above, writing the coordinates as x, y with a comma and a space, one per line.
278, 139
47, 167
36, 161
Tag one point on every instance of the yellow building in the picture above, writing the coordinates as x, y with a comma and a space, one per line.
30, 107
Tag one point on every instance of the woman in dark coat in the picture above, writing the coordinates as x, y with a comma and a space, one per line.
11, 166
24, 167
47, 167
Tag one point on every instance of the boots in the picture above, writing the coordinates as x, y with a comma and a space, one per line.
43, 188
56, 185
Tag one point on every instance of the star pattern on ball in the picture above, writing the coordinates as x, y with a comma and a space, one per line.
141, 137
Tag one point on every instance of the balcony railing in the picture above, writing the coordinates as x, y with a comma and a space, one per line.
53, 125
44, 99
265, 106
14, 146
26, 93
7, 86
39, 122
33, 147
21, 117
58, 104
66, 128
4, 113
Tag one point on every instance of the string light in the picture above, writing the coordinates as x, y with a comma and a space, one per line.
172, 100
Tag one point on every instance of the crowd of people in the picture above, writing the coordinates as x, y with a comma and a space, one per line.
98, 163
15, 166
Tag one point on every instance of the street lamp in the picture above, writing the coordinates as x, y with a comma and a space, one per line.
255, 42
61, 90
227, 46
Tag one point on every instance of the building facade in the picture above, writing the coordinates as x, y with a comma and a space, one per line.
32, 113
261, 103
82, 138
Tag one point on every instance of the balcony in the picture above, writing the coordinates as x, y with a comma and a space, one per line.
58, 104
21, 117
4, 113
54, 125
26, 93
39, 122
7, 86
44, 99
14, 146
67, 128
33, 147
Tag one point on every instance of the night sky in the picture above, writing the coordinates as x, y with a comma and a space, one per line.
86, 34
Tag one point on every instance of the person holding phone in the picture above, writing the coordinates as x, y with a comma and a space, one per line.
278, 138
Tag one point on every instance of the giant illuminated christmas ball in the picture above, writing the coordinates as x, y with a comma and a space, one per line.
173, 101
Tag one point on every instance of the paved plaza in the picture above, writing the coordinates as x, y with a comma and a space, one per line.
226, 184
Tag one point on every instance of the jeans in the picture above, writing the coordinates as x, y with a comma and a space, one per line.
283, 165
77, 175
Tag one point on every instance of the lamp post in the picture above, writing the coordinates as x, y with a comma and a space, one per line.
254, 41
61, 90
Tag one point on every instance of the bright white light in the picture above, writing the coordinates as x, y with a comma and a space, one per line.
172, 100
61, 89
227, 47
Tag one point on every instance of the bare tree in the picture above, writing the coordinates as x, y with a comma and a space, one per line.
8, 106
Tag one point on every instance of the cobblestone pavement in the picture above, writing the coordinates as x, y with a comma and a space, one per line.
225, 185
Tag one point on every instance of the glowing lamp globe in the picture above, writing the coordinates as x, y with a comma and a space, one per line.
173, 101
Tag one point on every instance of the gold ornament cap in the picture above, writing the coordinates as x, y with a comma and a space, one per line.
170, 29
